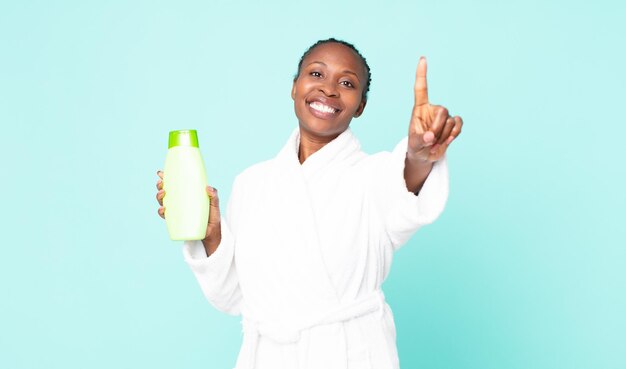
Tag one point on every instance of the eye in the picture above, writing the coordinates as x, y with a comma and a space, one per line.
315, 74
347, 84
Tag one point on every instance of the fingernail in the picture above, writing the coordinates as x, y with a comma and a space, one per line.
450, 139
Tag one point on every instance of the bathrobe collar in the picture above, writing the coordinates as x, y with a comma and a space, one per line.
336, 151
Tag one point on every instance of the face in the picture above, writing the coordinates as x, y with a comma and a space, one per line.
328, 91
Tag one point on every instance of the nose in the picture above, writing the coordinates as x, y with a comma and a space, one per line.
329, 89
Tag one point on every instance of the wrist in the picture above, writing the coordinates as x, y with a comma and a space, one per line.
415, 159
213, 240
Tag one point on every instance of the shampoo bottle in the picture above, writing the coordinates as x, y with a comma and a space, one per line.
184, 181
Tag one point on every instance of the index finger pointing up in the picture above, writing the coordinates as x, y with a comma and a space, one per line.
421, 88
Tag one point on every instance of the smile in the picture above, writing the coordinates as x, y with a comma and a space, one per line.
318, 106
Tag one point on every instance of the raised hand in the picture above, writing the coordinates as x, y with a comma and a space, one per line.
431, 129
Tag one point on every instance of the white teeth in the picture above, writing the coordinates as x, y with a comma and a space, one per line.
322, 108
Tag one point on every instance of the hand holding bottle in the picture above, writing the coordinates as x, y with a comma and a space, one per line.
213, 235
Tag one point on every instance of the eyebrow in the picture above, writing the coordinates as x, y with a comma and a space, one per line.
345, 71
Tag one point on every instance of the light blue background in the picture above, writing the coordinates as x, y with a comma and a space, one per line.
525, 269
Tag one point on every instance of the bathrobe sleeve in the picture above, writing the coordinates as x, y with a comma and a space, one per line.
217, 274
404, 212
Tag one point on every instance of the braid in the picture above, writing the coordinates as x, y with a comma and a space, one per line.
349, 45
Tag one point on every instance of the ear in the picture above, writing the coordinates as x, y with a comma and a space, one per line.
293, 90
360, 109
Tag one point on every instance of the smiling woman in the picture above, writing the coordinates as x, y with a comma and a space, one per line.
309, 235
329, 90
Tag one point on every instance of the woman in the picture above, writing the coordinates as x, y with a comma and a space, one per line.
309, 235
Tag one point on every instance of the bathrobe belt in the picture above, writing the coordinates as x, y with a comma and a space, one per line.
286, 335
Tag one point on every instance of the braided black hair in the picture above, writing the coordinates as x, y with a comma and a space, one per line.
349, 45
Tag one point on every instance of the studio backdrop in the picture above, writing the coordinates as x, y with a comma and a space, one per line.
526, 267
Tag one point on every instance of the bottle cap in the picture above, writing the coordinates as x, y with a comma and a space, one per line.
183, 137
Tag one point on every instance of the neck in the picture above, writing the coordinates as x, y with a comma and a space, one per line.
310, 144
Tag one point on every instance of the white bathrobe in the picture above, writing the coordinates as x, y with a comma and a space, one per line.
305, 250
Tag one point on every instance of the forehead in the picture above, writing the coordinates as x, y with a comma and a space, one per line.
336, 55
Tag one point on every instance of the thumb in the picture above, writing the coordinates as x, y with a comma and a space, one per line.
214, 212
428, 138
419, 137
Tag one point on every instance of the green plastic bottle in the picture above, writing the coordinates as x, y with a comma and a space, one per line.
184, 181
